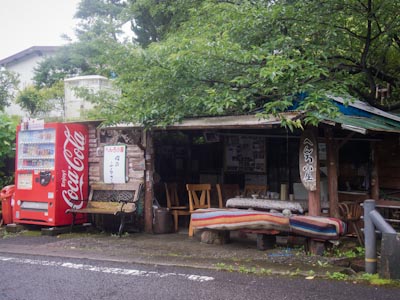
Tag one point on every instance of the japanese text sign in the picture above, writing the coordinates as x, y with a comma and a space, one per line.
114, 164
308, 160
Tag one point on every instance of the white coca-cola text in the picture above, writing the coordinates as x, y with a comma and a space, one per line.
73, 150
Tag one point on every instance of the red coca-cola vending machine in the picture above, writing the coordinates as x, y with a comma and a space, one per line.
51, 172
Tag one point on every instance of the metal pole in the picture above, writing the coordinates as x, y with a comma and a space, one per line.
370, 238
380, 223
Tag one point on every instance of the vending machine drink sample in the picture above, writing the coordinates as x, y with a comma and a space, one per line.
51, 173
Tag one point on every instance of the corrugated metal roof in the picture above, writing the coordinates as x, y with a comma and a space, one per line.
352, 106
363, 124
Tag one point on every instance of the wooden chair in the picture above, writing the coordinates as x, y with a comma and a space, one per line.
174, 205
226, 191
199, 197
250, 189
351, 213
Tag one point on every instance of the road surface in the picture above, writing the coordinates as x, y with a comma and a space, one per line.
40, 277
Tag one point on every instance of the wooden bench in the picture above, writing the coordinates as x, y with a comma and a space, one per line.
111, 199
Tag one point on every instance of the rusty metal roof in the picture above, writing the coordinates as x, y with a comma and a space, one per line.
217, 122
231, 122
371, 122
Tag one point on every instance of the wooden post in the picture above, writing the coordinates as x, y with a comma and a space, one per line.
375, 172
332, 174
316, 247
265, 241
314, 202
149, 184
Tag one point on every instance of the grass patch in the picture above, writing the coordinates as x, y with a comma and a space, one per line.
30, 233
243, 269
374, 279
346, 253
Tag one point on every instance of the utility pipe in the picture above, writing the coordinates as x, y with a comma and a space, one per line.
372, 219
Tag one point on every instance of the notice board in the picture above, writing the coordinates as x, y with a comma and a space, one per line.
245, 154
114, 169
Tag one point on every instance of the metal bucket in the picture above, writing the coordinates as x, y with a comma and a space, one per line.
162, 222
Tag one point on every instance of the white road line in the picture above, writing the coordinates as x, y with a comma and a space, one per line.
119, 271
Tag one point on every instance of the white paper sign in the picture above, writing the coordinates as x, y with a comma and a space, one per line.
114, 164
24, 181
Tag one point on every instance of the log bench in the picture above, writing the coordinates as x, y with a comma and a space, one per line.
110, 199
266, 239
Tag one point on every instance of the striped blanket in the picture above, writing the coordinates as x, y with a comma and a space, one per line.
317, 227
239, 219
235, 219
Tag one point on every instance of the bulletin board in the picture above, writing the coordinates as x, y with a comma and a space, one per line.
245, 154
114, 169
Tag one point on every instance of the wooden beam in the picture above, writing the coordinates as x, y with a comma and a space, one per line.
346, 139
149, 184
332, 173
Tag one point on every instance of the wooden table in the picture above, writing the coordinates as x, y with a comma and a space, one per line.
300, 205
265, 204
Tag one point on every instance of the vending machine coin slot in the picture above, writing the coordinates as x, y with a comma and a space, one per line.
45, 177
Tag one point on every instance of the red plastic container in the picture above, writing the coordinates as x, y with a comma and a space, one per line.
6, 196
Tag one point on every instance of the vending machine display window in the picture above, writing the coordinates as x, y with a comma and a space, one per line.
36, 149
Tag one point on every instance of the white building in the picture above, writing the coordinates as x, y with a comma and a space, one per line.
23, 63
75, 107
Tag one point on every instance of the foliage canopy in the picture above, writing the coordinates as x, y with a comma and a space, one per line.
212, 57
8, 86
7, 147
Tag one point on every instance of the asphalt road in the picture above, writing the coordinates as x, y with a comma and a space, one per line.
39, 277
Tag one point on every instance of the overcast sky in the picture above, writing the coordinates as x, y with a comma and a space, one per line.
27, 23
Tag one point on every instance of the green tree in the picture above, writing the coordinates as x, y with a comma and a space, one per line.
359, 39
34, 101
7, 147
100, 18
71, 60
233, 64
235, 56
152, 20
8, 85
213, 57
54, 96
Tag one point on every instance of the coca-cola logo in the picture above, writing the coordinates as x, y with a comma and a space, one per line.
73, 151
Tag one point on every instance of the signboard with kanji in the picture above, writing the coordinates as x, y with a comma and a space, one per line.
114, 169
308, 160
